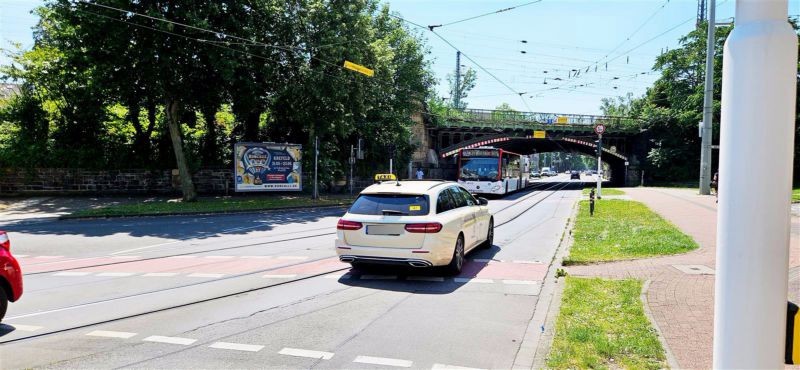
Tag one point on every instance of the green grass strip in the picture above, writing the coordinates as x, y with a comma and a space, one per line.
622, 229
208, 205
602, 325
796, 195
606, 191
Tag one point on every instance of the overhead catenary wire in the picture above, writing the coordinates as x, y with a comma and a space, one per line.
431, 27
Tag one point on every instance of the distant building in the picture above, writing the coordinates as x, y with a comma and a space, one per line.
8, 90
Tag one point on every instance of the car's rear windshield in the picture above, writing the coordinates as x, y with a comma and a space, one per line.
390, 205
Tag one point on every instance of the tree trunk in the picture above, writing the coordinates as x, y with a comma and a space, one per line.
251, 125
210, 150
189, 194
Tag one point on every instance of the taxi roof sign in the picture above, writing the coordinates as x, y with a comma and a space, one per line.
385, 177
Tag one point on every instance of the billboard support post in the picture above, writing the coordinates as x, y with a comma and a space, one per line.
316, 167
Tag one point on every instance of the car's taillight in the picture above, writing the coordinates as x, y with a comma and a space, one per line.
428, 227
347, 225
5, 243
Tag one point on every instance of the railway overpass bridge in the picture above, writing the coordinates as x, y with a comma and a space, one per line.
441, 136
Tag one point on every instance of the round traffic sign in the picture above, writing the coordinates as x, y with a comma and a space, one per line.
599, 128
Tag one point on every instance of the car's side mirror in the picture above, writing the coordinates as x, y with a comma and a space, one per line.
483, 201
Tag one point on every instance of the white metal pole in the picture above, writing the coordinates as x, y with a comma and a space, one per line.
708, 105
599, 165
390, 166
753, 223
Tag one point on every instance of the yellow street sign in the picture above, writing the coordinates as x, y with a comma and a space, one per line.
385, 177
562, 120
358, 68
539, 134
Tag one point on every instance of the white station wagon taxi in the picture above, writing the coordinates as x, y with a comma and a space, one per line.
414, 223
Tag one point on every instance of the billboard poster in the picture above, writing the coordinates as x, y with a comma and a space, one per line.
267, 167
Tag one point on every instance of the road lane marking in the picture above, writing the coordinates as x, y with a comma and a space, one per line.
378, 277
528, 262
145, 247
197, 275
292, 257
383, 361
520, 282
338, 276
26, 327
278, 276
72, 273
160, 274
237, 346
111, 334
21, 255
48, 257
170, 340
451, 367
116, 274
306, 353
425, 278
124, 257
469, 280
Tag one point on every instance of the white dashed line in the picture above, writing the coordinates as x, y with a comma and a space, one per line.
160, 274
451, 367
48, 257
237, 346
278, 276
72, 273
206, 275
21, 255
425, 278
26, 327
468, 280
123, 257
306, 353
520, 282
383, 361
528, 262
220, 257
111, 334
170, 340
378, 277
292, 258
116, 274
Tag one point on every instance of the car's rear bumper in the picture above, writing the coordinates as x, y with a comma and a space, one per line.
421, 257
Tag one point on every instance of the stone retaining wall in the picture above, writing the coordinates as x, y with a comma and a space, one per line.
58, 180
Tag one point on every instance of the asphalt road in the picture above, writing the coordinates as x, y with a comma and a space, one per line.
265, 290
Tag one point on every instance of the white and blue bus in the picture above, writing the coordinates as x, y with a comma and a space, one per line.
487, 170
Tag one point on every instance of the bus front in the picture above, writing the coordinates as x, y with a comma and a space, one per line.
479, 171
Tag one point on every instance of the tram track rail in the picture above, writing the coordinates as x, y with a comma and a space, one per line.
557, 187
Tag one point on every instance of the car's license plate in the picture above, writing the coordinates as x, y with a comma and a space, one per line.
384, 229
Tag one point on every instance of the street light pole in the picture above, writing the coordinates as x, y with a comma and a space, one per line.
759, 79
708, 105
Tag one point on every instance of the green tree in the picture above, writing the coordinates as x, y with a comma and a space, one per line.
466, 84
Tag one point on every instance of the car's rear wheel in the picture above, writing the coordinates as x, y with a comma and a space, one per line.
3, 303
489, 236
455, 265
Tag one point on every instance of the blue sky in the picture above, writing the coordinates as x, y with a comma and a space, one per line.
561, 35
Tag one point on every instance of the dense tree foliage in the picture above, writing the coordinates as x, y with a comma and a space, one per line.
672, 108
163, 84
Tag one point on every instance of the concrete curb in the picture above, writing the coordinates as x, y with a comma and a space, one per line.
671, 361
202, 213
538, 338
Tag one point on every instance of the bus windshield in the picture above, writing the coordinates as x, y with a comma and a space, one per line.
478, 169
